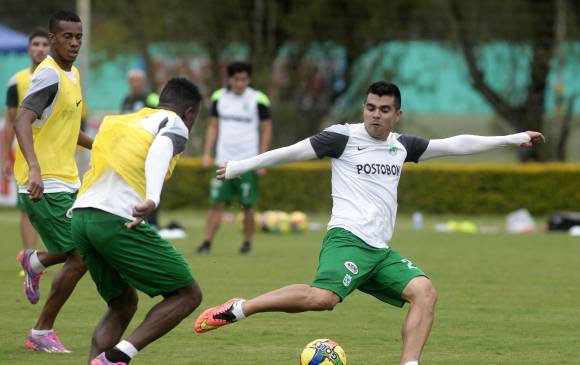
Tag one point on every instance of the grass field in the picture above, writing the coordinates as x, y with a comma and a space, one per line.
503, 299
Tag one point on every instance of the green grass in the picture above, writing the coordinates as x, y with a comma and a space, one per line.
503, 299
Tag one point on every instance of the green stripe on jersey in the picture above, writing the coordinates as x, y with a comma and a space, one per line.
262, 98
217, 94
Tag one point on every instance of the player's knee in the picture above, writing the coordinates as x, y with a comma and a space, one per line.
126, 304
192, 297
75, 265
217, 208
429, 296
422, 292
324, 300
131, 303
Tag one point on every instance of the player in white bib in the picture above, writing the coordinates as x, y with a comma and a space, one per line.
240, 122
367, 161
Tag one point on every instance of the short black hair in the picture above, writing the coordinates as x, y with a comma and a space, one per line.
238, 66
181, 93
62, 16
382, 88
38, 32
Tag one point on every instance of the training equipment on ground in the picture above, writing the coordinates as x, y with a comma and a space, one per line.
563, 221
323, 352
299, 221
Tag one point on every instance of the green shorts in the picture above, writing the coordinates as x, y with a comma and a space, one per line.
19, 203
51, 218
118, 257
244, 188
347, 263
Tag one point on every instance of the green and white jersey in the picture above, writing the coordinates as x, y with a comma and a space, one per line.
239, 119
366, 171
365, 176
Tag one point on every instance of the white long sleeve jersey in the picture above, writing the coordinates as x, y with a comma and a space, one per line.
366, 171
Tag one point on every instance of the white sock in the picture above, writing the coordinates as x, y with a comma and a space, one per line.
412, 363
40, 333
35, 263
127, 348
237, 310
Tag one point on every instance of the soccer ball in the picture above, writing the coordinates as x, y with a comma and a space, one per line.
323, 352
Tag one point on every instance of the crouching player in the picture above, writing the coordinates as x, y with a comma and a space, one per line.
132, 155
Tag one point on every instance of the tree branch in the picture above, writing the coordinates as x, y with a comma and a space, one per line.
565, 131
502, 108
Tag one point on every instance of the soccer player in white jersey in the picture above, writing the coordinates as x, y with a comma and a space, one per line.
367, 161
240, 122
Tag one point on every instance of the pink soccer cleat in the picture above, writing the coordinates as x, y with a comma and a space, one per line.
31, 279
215, 317
48, 343
102, 360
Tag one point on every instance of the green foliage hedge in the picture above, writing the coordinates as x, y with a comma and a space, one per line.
431, 188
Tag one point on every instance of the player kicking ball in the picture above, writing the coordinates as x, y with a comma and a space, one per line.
132, 155
367, 162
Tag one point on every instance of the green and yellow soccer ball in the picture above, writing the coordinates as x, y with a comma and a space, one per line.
323, 352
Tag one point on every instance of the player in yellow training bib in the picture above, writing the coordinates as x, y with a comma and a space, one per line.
48, 132
132, 156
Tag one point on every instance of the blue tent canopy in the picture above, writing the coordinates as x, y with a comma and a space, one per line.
12, 41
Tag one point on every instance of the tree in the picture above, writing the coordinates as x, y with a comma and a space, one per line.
267, 28
534, 24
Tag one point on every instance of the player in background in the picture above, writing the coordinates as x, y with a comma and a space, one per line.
367, 161
132, 155
241, 123
48, 131
139, 98
17, 86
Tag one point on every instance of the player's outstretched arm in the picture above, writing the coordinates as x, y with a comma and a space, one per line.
300, 151
470, 144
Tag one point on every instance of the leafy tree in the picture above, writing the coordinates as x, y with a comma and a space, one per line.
527, 22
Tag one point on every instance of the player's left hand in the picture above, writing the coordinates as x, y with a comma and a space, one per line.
535, 138
221, 172
140, 212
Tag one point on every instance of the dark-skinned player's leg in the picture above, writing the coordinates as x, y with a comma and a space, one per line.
114, 323
166, 315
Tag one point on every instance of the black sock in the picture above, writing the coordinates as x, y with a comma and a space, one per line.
246, 243
206, 243
115, 355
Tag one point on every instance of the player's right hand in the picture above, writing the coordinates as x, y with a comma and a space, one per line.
140, 212
35, 185
535, 138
